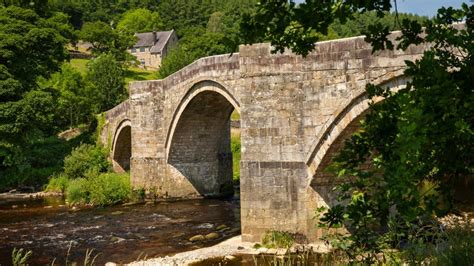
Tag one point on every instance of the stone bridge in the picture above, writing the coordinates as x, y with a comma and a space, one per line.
174, 134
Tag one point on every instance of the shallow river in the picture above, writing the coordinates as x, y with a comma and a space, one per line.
120, 234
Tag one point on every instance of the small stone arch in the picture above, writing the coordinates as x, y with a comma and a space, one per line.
198, 145
122, 147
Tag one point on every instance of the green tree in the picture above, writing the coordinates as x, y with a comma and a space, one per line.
227, 20
357, 25
110, 12
215, 23
30, 48
105, 39
183, 14
74, 104
40, 7
86, 160
216, 31
419, 140
106, 78
140, 20
300, 26
191, 48
73, 9
176, 59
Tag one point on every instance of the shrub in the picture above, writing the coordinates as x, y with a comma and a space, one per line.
78, 191
235, 147
100, 190
138, 194
86, 160
458, 248
58, 183
109, 189
277, 239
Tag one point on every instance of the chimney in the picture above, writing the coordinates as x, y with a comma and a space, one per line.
154, 35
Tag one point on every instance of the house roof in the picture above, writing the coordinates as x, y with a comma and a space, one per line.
156, 40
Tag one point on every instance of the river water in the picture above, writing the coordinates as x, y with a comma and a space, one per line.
118, 234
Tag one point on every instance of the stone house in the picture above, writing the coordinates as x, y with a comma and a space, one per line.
152, 47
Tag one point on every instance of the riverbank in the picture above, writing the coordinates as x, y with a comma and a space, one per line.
227, 249
13, 195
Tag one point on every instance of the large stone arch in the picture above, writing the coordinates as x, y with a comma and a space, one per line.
198, 140
343, 126
347, 119
122, 147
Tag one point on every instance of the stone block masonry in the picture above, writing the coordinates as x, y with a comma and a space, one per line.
295, 114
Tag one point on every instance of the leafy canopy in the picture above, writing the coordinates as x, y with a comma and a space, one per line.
105, 39
418, 141
30, 47
192, 47
105, 75
140, 20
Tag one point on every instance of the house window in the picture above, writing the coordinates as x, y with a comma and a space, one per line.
142, 61
142, 49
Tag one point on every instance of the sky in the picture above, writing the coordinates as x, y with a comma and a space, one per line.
424, 7
427, 7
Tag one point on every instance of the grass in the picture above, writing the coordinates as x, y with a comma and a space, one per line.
20, 257
235, 147
137, 74
80, 65
58, 183
131, 74
277, 239
235, 116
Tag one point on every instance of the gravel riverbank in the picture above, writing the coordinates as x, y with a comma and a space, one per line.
228, 247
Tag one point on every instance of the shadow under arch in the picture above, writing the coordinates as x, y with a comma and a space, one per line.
201, 86
198, 143
122, 147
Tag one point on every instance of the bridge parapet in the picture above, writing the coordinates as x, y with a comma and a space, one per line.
216, 66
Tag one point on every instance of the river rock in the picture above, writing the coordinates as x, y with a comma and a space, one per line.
211, 236
281, 251
116, 239
205, 226
48, 207
178, 235
262, 250
271, 251
197, 238
14, 206
234, 230
117, 213
140, 236
220, 227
